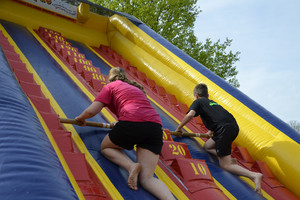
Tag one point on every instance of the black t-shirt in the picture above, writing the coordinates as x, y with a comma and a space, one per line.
212, 114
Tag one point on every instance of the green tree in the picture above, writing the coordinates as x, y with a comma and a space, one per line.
295, 125
174, 20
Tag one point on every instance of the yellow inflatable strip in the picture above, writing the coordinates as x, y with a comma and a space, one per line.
114, 193
39, 81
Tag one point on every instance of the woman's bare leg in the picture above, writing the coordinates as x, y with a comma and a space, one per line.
155, 186
115, 154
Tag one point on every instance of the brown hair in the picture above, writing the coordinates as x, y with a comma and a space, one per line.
118, 73
201, 90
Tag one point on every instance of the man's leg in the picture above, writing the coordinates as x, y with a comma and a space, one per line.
210, 146
226, 163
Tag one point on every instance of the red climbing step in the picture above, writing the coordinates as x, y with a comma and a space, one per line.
19, 65
41, 103
31, 88
64, 142
24, 76
172, 150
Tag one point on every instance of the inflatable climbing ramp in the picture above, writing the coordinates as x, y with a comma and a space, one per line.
53, 63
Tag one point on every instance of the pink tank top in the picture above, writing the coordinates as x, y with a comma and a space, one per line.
128, 102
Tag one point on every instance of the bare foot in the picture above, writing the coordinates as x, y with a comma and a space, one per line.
133, 175
257, 180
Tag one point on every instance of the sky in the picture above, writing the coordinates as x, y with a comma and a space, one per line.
267, 33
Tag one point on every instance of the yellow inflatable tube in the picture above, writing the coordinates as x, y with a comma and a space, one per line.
93, 31
263, 141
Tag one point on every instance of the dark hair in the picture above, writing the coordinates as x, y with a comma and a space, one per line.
118, 73
201, 90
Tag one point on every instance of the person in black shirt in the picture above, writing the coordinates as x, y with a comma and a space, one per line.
223, 129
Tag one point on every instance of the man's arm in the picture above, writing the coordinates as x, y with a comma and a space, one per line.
185, 120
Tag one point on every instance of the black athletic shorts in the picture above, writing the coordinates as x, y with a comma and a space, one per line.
224, 136
147, 135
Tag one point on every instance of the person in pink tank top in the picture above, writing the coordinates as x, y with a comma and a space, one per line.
139, 124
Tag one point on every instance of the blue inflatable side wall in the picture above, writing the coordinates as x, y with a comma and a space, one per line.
29, 164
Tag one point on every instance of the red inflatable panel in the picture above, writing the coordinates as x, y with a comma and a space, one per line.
242, 154
110, 52
77, 165
117, 57
161, 91
59, 46
88, 68
183, 108
97, 85
198, 121
31, 88
104, 48
167, 135
196, 176
43, 30
81, 67
172, 150
41, 103
59, 132
24, 76
72, 60
88, 76
11, 55
271, 185
269, 177
151, 83
78, 67
91, 191
172, 99
141, 76
263, 168
99, 77
192, 169
124, 63
17, 65
132, 70
64, 142
6, 45
52, 120
54, 41
65, 53
51, 36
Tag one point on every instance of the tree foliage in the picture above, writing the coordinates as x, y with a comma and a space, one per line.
174, 20
295, 125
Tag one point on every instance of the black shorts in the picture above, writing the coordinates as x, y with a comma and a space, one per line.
147, 135
223, 137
